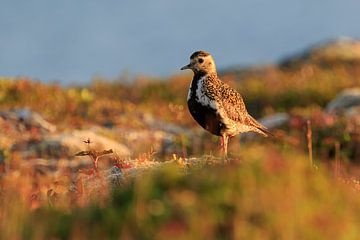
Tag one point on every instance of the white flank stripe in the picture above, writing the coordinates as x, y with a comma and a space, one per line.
202, 97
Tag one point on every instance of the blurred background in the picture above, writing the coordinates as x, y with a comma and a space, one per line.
81, 78
71, 42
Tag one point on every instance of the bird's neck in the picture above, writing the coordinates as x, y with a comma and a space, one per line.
201, 74
197, 82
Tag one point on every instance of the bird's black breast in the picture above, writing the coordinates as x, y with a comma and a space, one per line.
206, 116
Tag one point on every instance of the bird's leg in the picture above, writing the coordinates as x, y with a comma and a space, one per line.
225, 139
222, 145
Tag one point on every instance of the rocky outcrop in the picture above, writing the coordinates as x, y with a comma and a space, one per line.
65, 145
276, 120
25, 118
74, 142
345, 100
342, 49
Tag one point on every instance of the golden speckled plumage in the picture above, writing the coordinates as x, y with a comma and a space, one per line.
216, 106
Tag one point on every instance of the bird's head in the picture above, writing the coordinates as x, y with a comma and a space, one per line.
201, 62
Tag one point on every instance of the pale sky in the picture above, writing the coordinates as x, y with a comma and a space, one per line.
72, 41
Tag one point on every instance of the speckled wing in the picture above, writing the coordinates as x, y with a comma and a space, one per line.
235, 109
233, 104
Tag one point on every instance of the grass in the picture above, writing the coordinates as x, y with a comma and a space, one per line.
266, 193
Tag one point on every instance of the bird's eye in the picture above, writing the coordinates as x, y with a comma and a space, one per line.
201, 60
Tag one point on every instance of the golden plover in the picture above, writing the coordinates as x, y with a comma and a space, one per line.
216, 106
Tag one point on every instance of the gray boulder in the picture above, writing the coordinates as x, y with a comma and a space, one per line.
74, 142
65, 145
28, 119
275, 120
346, 99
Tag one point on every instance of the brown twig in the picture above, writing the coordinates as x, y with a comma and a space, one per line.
309, 142
337, 159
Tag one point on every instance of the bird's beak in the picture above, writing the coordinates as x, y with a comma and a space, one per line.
186, 67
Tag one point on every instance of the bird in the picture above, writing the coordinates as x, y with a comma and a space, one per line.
216, 106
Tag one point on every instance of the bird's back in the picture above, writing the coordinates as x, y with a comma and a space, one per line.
219, 108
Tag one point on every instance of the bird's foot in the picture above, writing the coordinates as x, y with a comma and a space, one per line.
221, 142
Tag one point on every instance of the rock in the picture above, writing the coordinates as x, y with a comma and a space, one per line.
353, 112
142, 140
344, 100
52, 165
157, 124
275, 121
115, 176
28, 118
341, 49
33, 149
74, 142
65, 145
94, 184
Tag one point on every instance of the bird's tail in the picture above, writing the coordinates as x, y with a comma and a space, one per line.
264, 131
261, 129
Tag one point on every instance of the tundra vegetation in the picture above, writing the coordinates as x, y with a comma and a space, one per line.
157, 175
